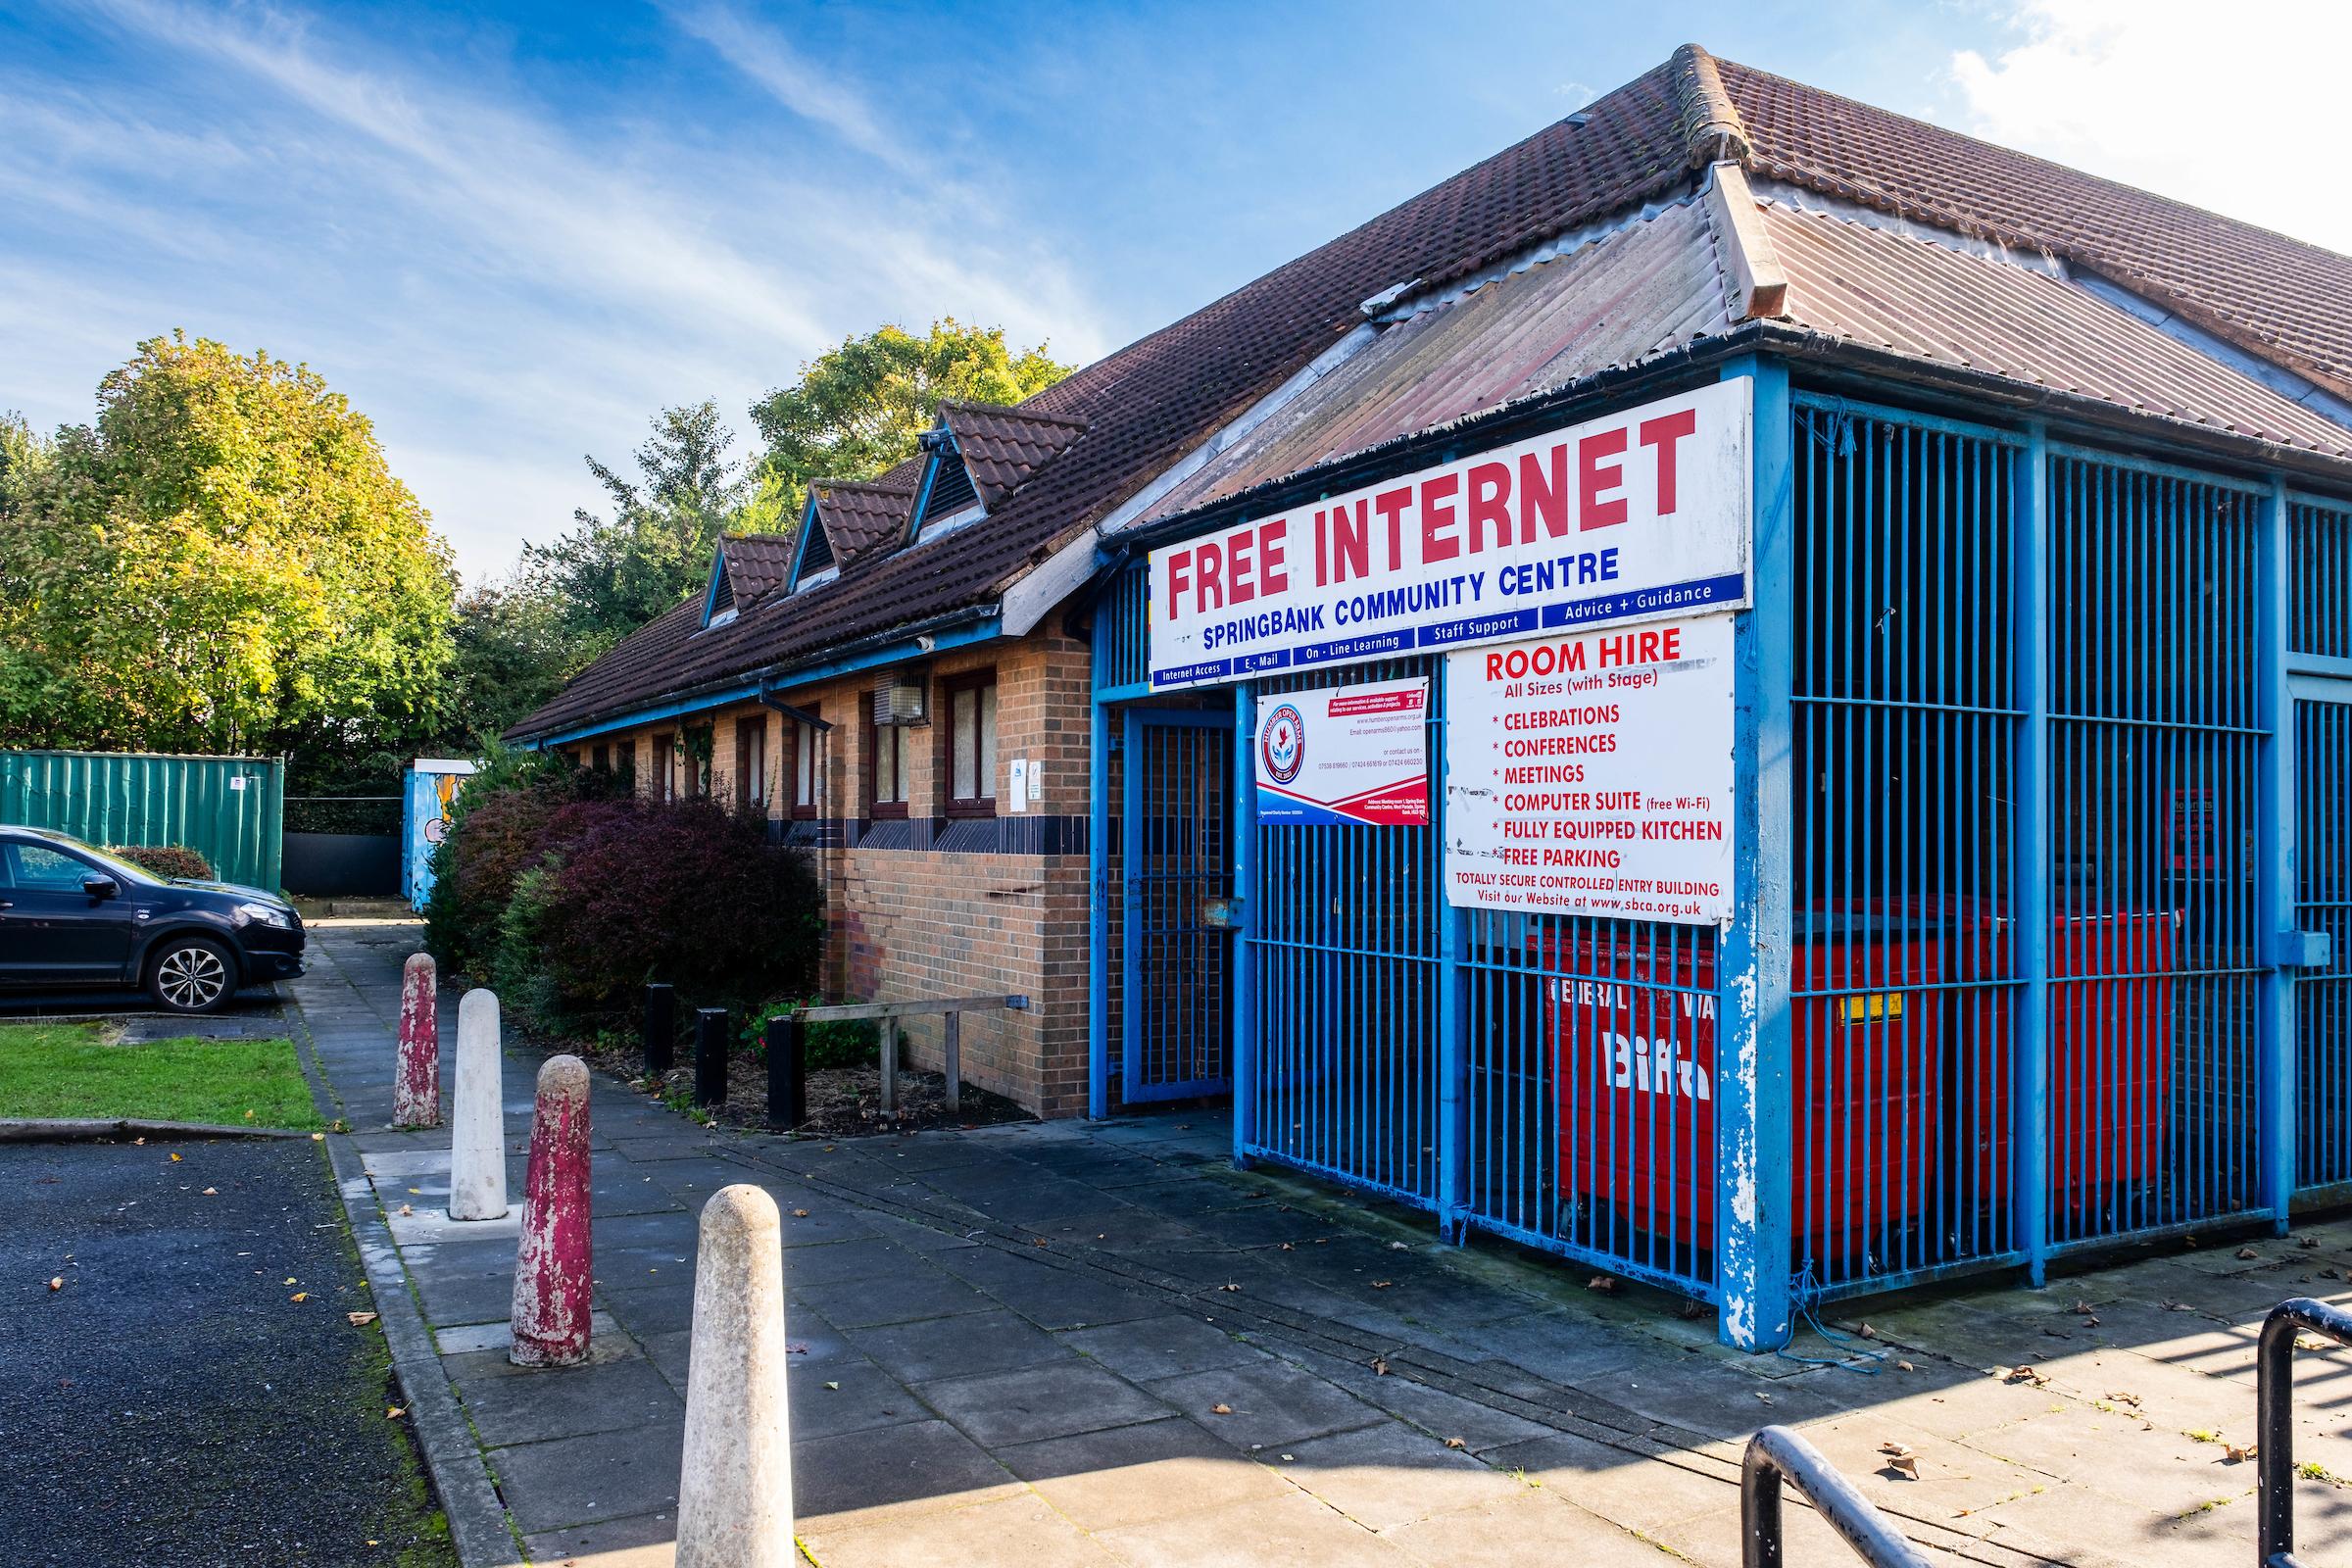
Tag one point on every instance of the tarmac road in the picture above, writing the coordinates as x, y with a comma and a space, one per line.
172, 1404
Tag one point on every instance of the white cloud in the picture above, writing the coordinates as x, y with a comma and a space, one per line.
2237, 111
501, 281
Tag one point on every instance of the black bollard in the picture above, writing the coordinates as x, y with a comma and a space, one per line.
787, 1072
710, 1055
660, 1028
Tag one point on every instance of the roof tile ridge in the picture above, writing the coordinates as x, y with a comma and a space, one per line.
1712, 130
1019, 411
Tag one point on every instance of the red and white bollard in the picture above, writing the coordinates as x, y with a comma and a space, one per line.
552, 1265
417, 1074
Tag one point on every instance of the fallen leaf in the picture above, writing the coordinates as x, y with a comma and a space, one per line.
799, 1213
299, 1296
360, 1320
2091, 1322
2307, 1243
406, 1209
56, 1281
2247, 1255
291, 1280
136, 1142
1380, 1366
175, 1160
1289, 1459
1221, 1287
1382, 1284
795, 1348
2056, 1334
212, 1191
2026, 1375
1455, 1443
2235, 1454
1601, 1281
2080, 1306
318, 1137
2120, 1397
1220, 1409
1905, 1367
1900, 1460
393, 1413
835, 1387
1867, 1332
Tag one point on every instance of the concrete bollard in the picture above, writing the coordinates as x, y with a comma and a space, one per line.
478, 1134
553, 1279
735, 1486
416, 1071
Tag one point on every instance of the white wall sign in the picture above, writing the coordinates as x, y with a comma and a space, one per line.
1345, 753
1591, 773
1634, 516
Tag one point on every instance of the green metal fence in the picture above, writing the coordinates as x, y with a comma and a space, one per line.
230, 809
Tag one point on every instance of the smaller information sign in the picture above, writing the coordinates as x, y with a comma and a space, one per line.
1344, 753
1592, 774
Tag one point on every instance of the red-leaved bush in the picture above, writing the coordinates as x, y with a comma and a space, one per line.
687, 893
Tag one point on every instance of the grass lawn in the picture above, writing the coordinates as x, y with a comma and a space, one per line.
69, 1070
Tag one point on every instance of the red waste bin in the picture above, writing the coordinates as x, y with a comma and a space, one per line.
2110, 1061
1634, 1037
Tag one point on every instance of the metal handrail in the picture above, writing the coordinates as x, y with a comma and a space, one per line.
1777, 1453
2274, 1416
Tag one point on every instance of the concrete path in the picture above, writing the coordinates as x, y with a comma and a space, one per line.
1101, 1344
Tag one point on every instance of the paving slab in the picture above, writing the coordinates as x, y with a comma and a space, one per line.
965, 1346
1164, 1347
1052, 1400
605, 1475
1268, 1404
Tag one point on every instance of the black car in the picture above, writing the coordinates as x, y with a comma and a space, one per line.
72, 918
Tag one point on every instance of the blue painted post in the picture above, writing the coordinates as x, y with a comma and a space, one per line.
1752, 1139
1454, 1007
1097, 921
2275, 861
1244, 1006
1131, 908
2030, 826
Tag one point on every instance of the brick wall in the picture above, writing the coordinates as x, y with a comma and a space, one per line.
906, 922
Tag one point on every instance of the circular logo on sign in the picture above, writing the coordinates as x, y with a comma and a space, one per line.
1283, 741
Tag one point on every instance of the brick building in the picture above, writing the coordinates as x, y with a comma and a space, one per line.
2017, 506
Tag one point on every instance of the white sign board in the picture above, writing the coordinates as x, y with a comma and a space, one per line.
1345, 753
1634, 516
1591, 774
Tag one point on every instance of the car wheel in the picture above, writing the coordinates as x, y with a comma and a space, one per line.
191, 974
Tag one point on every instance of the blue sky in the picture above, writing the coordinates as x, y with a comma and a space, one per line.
510, 231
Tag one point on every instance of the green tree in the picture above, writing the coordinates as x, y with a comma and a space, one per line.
222, 561
609, 576
858, 409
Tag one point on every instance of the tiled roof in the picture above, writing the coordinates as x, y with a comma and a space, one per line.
756, 563
1149, 403
1003, 447
1635, 293
862, 516
2278, 297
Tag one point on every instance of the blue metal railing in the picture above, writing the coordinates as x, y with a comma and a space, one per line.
2157, 962
1777, 1455
1906, 720
2041, 780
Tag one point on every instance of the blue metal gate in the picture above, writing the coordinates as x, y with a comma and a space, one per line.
1349, 937
1176, 847
2324, 903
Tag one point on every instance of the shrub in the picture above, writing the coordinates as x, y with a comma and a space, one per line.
684, 892
497, 831
166, 860
830, 1043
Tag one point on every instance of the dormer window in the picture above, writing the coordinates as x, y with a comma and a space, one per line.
948, 500
812, 561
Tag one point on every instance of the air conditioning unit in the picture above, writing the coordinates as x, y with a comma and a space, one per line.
900, 699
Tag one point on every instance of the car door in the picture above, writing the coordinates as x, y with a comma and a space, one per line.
56, 931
